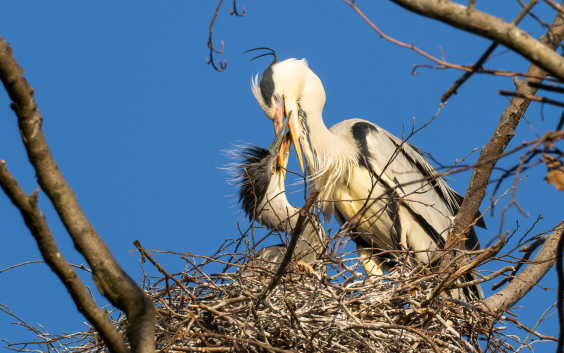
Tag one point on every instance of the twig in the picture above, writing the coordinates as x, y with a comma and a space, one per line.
82, 267
290, 249
162, 270
485, 278
222, 66
550, 88
528, 249
234, 10
531, 97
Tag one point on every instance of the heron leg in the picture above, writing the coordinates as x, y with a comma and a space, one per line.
403, 241
372, 265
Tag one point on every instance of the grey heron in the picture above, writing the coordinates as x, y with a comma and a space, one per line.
410, 203
262, 195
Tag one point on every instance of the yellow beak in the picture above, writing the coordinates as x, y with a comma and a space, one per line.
295, 131
294, 135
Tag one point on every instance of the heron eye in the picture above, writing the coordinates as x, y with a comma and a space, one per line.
276, 96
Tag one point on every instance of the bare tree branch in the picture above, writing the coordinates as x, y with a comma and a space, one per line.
531, 97
35, 221
478, 65
494, 28
504, 132
109, 277
529, 277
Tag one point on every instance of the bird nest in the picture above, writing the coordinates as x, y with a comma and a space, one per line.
226, 303
309, 310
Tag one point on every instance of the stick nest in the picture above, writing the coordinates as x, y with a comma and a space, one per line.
310, 311
219, 303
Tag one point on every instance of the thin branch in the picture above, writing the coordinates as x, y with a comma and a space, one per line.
443, 63
554, 5
222, 66
528, 249
304, 213
161, 269
531, 97
82, 267
477, 66
486, 278
503, 134
234, 10
551, 87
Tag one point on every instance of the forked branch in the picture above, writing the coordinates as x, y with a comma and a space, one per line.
35, 221
505, 131
110, 278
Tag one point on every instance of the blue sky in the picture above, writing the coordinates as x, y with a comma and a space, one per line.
136, 121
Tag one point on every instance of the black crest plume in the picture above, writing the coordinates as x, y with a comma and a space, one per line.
272, 52
266, 82
254, 178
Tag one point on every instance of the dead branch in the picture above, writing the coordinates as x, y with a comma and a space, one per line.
35, 221
478, 65
495, 29
528, 278
504, 132
109, 277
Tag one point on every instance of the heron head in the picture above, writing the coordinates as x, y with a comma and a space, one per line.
280, 91
259, 172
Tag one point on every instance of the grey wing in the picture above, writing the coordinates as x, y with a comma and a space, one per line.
417, 158
446, 195
407, 172
417, 155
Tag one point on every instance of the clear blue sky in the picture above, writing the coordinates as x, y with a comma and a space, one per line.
136, 121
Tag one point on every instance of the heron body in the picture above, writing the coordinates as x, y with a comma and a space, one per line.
262, 196
355, 160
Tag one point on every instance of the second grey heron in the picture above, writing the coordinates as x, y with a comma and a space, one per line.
262, 195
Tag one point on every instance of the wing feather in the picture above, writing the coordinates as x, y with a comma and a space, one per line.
410, 174
417, 157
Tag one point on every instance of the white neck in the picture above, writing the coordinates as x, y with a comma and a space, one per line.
328, 156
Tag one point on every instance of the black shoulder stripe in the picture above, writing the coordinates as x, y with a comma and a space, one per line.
439, 240
359, 131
